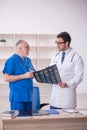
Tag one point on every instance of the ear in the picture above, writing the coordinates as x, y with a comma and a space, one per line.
67, 43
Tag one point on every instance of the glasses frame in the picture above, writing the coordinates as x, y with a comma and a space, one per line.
59, 43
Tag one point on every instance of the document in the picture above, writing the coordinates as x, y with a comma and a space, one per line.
48, 75
52, 111
45, 112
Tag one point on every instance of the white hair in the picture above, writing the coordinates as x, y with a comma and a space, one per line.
19, 43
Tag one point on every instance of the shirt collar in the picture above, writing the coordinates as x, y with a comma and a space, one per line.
67, 51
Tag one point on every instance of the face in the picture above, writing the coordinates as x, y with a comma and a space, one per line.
25, 49
61, 45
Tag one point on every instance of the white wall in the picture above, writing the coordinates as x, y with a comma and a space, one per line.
48, 16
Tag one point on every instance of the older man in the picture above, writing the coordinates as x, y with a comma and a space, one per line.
18, 72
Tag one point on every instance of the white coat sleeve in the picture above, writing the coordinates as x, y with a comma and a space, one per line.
78, 72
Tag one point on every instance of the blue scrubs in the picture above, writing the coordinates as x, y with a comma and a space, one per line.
21, 90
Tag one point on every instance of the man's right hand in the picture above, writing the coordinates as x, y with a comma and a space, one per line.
28, 75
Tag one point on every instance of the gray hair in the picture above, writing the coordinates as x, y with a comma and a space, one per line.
19, 43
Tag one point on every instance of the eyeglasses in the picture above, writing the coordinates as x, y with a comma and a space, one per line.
58, 43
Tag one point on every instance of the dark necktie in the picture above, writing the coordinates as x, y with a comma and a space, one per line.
63, 56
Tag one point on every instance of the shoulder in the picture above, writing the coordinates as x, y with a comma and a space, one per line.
76, 53
76, 56
11, 59
9, 65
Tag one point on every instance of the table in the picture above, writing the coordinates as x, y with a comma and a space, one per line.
62, 121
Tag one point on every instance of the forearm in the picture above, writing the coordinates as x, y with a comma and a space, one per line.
13, 78
74, 82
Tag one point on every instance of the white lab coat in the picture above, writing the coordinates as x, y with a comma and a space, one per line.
71, 72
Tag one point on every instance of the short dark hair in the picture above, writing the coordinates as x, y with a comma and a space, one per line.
65, 36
